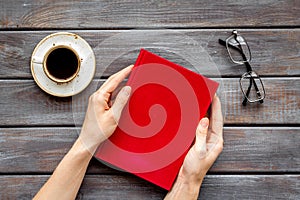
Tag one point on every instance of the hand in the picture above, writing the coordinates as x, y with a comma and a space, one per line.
100, 121
208, 146
102, 118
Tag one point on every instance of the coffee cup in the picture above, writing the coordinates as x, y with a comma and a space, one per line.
63, 64
60, 63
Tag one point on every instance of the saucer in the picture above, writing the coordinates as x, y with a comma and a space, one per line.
87, 64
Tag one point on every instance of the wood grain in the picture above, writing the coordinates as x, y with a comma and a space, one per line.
275, 52
36, 129
131, 14
246, 149
130, 187
25, 104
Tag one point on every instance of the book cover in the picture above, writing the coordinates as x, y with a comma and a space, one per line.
158, 124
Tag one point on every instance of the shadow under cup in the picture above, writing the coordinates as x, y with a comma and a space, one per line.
61, 64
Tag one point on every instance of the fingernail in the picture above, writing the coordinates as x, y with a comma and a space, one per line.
204, 122
127, 90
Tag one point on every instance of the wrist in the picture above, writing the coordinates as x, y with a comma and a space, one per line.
184, 189
80, 151
191, 184
190, 178
90, 141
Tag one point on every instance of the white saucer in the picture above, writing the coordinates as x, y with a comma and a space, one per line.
86, 70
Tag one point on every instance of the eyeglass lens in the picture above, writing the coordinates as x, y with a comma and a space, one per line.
252, 91
238, 49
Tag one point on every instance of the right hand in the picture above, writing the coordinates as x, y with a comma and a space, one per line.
207, 147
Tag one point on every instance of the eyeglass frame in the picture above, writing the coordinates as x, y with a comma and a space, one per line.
245, 61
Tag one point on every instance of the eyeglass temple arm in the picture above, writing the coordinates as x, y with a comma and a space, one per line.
247, 93
249, 69
257, 90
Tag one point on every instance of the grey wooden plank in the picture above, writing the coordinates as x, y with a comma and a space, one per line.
275, 52
24, 104
281, 105
251, 187
128, 14
130, 187
246, 149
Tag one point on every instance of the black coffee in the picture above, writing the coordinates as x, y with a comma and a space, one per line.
62, 63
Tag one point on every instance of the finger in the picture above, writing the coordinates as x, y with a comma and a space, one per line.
216, 118
120, 102
97, 103
113, 81
201, 134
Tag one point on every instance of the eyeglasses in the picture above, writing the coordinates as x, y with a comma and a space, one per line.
250, 83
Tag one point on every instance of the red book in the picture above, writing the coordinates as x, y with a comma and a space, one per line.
158, 124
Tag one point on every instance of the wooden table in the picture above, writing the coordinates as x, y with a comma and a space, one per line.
261, 158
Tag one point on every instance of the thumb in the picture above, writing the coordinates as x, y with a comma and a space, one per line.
201, 134
120, 102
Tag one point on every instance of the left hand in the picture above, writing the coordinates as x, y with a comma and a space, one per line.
102, 118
